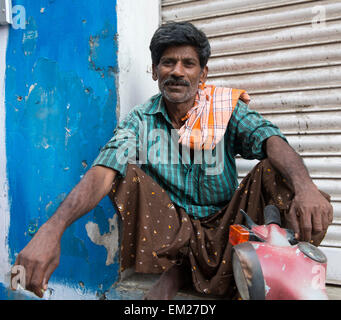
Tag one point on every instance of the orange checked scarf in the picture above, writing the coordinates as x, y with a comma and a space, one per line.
207, 120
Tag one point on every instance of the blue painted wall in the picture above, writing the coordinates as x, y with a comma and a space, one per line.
60, 109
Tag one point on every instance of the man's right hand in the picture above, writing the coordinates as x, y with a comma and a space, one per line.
41, 256
39, 259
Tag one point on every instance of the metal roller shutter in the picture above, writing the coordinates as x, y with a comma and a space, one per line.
287, 55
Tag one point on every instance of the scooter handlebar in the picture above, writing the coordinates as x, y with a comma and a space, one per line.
272, 215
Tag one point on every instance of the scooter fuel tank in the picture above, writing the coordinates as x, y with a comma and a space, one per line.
271, 264
290, 274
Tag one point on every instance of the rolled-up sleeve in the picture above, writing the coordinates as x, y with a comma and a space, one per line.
122, 148
248, 130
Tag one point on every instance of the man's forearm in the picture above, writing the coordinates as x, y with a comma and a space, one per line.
289, 163
41, 255
310, 213
94, 186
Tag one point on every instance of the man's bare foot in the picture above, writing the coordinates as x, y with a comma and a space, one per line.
169, 284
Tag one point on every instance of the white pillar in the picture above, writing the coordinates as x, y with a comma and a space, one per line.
136, 23
4, 204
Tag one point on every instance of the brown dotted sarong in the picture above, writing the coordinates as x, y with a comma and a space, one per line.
156, 234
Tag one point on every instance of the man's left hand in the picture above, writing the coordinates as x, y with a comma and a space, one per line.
310, 214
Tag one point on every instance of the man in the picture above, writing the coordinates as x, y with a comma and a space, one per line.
177, 204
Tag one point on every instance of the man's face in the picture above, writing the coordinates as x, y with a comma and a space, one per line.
179, 73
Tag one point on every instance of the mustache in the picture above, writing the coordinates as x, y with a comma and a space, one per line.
175, 82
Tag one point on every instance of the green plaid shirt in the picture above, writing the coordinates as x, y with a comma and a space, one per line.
202, 183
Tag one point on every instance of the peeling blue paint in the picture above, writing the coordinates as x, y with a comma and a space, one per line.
60, 109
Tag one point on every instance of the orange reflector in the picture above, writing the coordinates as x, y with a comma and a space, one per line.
238, 234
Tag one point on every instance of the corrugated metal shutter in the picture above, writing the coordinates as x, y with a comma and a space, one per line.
287, 55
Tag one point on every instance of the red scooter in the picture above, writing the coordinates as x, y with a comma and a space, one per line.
270, 264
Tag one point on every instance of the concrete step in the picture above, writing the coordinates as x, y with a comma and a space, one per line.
135, 286
333, 292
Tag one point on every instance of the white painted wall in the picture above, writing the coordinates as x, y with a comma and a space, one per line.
137, 22
4, 205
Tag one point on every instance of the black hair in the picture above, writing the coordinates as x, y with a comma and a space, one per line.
177, 34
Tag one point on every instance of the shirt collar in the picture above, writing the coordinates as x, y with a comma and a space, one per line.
157, 105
